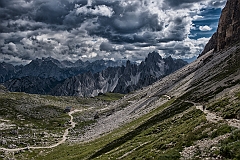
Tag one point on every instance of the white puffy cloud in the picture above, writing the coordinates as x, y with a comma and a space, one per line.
196, 17
205, 28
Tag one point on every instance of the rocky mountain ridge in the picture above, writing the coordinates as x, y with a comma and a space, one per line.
228, 31
120, 79
52, 68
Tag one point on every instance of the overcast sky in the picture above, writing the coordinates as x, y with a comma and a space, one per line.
105, 29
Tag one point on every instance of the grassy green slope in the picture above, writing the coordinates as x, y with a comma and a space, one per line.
161, 134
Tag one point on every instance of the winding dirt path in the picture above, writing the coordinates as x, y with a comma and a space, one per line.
64, 137
205, 144
212, 117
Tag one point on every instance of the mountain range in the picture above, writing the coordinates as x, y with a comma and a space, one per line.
50, 76
50, 67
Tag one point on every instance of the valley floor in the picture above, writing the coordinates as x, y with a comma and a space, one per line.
64, 137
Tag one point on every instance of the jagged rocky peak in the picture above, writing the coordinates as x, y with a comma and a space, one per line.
80, 62
153, 57
228, 31
67, 63
52, 61
169, 59
39, 62
128, 63
153, 60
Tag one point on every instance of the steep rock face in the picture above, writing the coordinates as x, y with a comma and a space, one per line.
228, 31
212, 44
33, 85
89, 84
229, 24
120, 79
149, 71
7, 71
129, 77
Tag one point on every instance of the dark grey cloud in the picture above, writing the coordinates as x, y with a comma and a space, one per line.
105, 46
96, 29
52, 12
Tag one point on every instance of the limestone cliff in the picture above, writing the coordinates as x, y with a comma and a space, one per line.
228, 31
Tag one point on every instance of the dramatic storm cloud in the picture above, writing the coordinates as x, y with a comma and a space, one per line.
105, 29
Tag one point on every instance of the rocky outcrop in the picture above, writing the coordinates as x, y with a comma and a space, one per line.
228, 31
229, 25
212, 44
